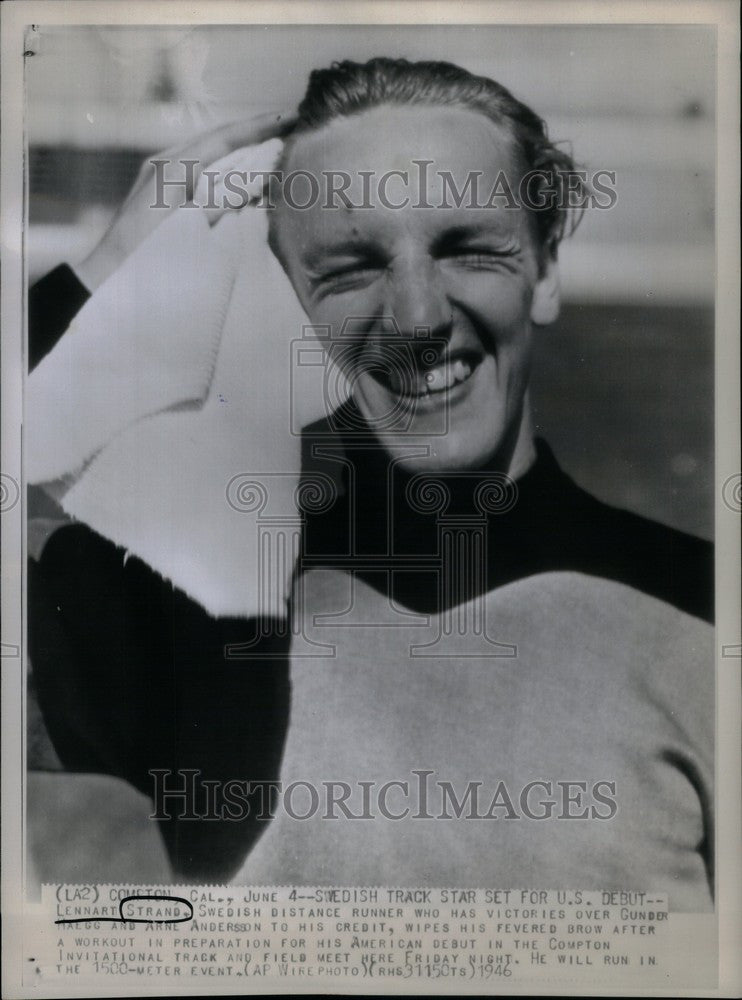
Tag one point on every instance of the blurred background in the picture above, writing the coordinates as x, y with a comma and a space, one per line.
624, 381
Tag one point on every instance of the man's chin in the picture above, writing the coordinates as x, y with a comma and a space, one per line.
428, 436
437, 453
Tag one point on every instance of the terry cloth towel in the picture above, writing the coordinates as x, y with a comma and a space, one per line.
172, 387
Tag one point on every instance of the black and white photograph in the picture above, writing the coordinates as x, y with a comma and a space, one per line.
372, 500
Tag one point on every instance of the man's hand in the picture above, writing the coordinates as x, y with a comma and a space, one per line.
135, 219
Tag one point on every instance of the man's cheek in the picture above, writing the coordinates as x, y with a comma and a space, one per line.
496, 305
343, 315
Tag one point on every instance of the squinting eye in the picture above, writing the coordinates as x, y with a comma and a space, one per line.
480, 259
346, 278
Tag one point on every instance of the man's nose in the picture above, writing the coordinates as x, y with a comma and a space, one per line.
417, 301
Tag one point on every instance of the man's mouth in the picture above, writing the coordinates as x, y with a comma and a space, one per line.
419, 381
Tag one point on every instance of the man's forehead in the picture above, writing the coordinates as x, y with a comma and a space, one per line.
451, 142
396, 172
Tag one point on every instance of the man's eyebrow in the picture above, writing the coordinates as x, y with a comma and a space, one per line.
352, 246
460, 234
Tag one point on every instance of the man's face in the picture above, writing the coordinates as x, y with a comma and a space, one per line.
462, 284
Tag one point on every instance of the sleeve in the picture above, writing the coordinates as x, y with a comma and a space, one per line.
130, 672
53, 302
131, 677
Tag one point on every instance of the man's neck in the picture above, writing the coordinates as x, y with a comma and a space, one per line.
523, 453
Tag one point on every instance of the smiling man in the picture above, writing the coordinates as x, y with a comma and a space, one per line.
472, 279
476, 621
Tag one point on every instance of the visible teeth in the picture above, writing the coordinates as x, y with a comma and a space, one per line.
436, 379
461, 370
445, 376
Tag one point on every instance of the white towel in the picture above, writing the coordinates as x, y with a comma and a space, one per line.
173, 379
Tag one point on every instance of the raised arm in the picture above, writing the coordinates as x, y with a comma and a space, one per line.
129, 669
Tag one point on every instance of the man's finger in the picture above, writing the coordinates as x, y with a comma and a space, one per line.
214, 145
239, 165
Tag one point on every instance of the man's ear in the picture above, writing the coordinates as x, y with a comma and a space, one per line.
546, 295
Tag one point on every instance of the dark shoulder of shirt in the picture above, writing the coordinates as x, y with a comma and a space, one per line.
53, 302
599, 539
551, 525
